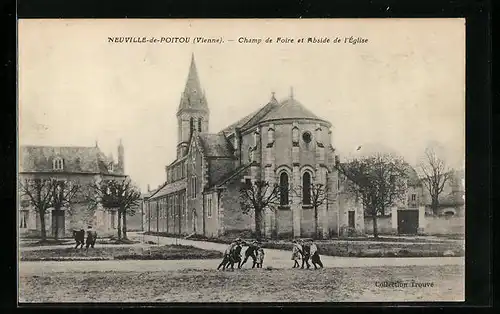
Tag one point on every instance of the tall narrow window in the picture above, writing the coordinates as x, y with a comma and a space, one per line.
199, 125
306, 188
57, 163
191, 125
209, 208
284, 189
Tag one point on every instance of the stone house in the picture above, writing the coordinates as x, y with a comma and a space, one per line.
81, 165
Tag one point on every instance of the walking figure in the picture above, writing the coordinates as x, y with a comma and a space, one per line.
79, 237
229, 254
296, 253
305, 254
260, 257
91, 238
251, 252
315, 259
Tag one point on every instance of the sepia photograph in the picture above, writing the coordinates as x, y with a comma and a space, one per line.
241, 160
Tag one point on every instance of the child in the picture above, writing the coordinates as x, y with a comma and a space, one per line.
296, 252
315, 259
260, 257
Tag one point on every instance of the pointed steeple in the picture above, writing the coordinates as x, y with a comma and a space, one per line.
291, 92
193, 96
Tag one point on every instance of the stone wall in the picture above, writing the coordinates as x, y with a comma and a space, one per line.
234, 219
384, 225
307, 222
285, 222
442, 225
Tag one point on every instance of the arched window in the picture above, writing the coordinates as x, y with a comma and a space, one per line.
284, 189
199, 125
306, 188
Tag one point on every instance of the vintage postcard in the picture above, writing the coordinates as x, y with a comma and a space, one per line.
245, 160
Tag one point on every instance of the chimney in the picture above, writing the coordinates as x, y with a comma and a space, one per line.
121, 157
149, 188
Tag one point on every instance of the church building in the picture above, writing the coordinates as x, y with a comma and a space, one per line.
281, 143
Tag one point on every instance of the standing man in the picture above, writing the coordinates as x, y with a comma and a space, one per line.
251, 252
315, 259
91, 238
306, 250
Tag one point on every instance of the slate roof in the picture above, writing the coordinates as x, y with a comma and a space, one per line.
216, 145
75, 159
290, 109
413, 178
287, 109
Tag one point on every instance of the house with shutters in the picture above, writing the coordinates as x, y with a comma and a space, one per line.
81, 165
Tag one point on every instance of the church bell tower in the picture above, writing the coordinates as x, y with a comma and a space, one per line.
192, 114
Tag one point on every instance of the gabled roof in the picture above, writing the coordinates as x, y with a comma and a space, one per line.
216, 145
75, 159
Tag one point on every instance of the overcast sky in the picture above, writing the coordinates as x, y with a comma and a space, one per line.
400, 91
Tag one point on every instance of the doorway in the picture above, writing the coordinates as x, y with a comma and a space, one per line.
407, 221
58, 221
351, 219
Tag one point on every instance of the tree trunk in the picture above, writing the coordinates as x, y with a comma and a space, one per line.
375, 229
124, 225
43, 233
435, 205
119, 224
56, 224
276, 218
315, 222
258, 222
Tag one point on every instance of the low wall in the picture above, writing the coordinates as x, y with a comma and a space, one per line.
434, 225
444, 225
384, 225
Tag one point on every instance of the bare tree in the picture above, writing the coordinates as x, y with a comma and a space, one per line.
259, 195
45, 193
378, 180
39, 193
435, 174
119, 194
64, 193
319, 195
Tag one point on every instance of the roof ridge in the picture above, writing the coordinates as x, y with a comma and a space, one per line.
232, 174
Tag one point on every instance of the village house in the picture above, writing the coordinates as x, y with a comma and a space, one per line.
80, 165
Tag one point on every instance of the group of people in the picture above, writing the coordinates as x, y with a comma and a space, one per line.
305, 251
233, 256
302, 251
79, 237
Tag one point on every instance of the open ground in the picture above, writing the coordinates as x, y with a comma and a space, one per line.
196, 280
